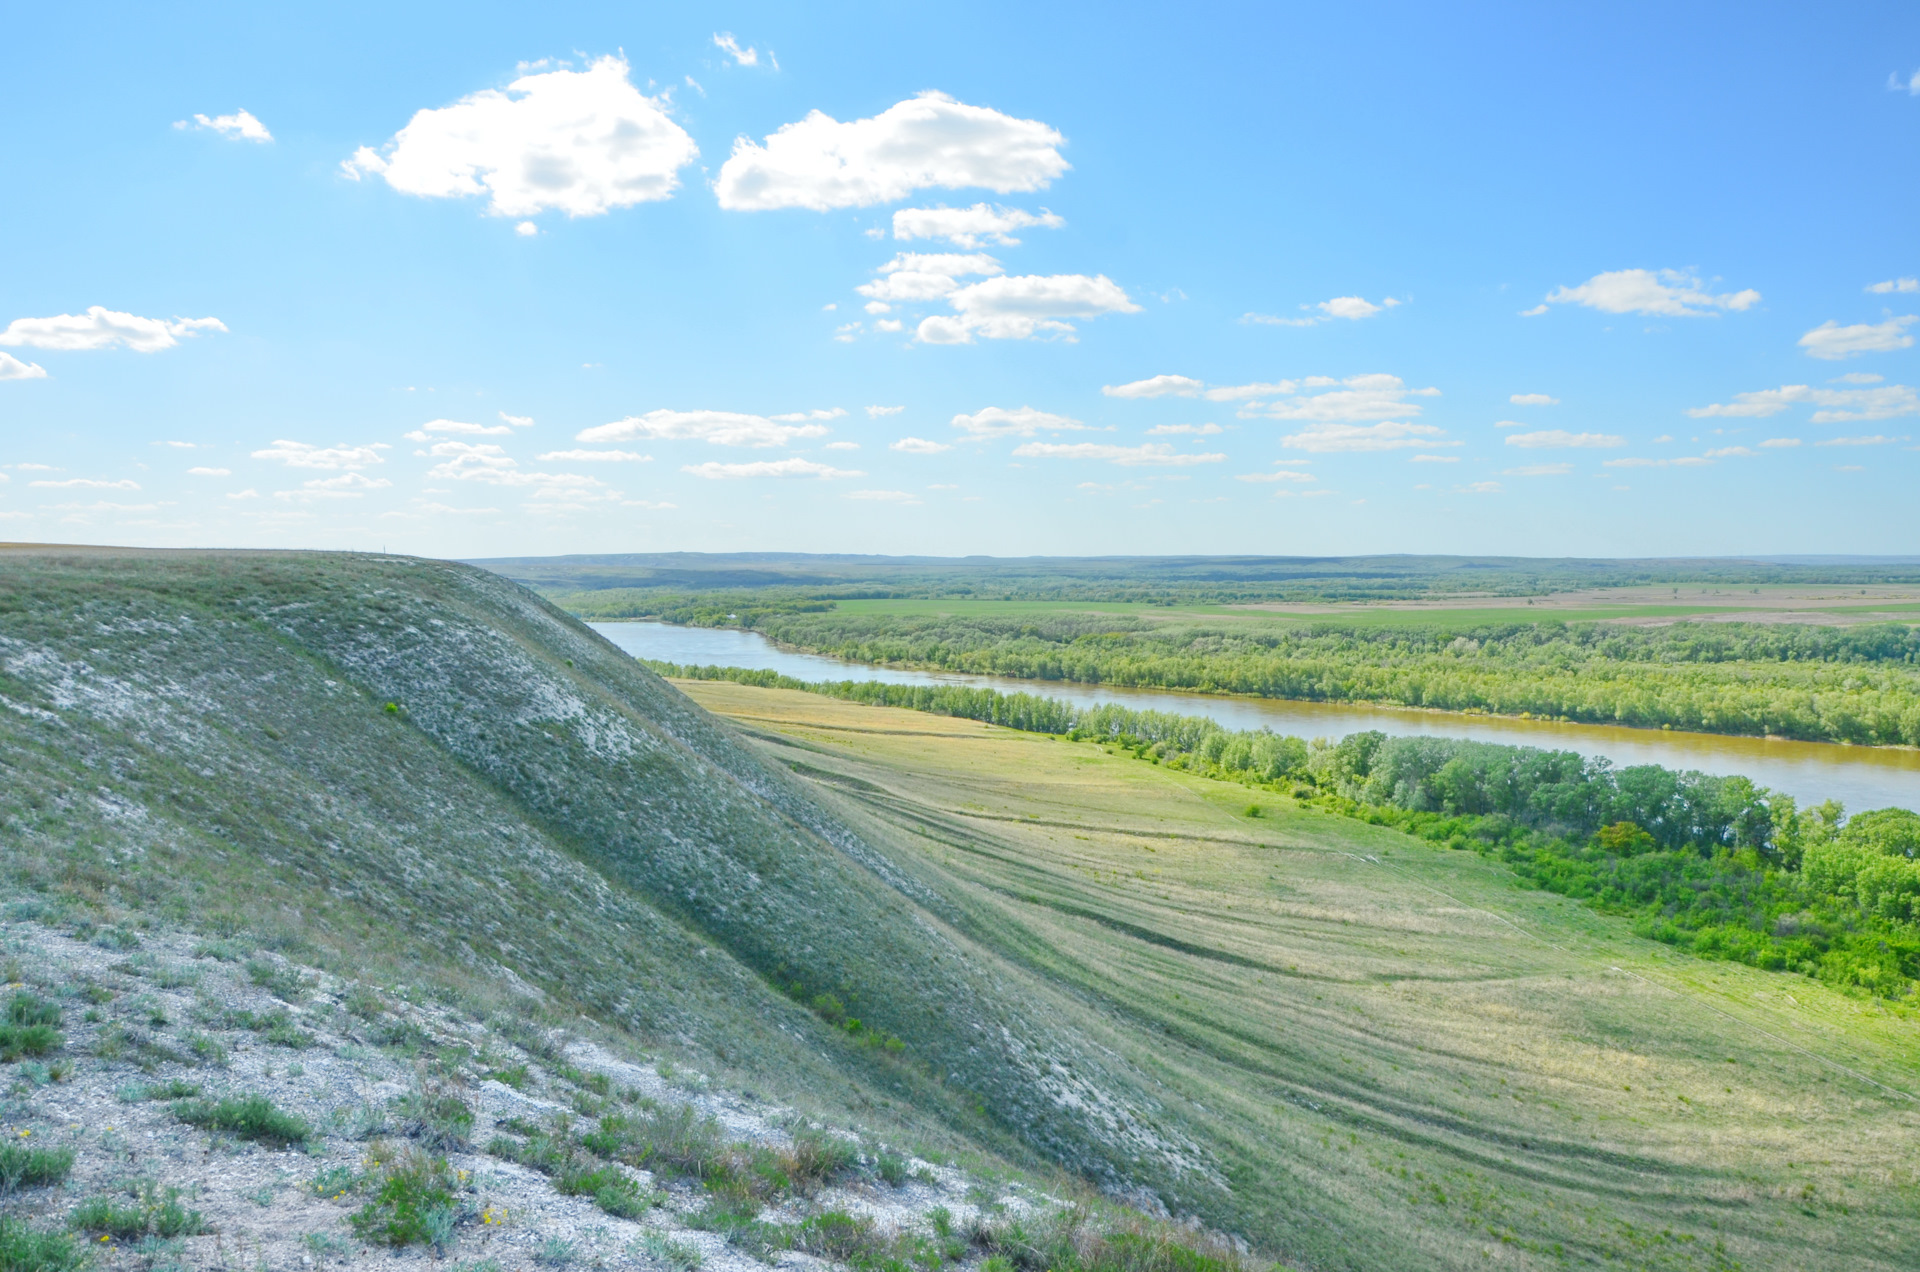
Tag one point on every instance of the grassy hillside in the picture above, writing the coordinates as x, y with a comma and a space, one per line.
1391, 1045
423, 766
1352, 1050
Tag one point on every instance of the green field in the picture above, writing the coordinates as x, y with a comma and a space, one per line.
1390, 1046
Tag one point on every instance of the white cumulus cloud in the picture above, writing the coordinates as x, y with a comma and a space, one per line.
1175, 430
11, 368
721, 428
1837, 405
1833, 342
877, 412
1533, 399
1779, 443
1667, 293
1332, 438
210, 472
1284, 474
1684, 461
1155, 386
579, 142
1356, 398
103, 328
1553, 438
427, 431
85, 483
1895, 285
724, 41
795, 467
884, 496
929, 140
916, 276
971, 227
239, 126
594, 457
490, 464
1538, 470
918, 446
1351, 308
1157, 454
1022, 307
340, 455
1023, 421
345, 486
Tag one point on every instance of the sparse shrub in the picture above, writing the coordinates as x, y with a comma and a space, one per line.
280, 980
28, 1008
335, 1182
172, 1089
518, 1076
25, 1167
892, 1168
816, 1158
325, 1246
439, 1119
251, 1117
149, 1211
24, 1248
206, 1048
364, 1002
116, 938
555, 1253
673, 1140
226, 951
836, 1235
415, 1200
124, 1043
30, 1027
663, 1249
278, 1028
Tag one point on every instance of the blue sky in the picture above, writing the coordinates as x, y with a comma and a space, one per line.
469, 280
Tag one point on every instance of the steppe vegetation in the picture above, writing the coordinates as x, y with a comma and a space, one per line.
1716, 865
305, 824
1402, 1038
1163, 626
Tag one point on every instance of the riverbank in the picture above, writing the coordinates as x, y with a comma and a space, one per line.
1857, 776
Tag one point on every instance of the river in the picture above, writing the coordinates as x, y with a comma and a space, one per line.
1858, 776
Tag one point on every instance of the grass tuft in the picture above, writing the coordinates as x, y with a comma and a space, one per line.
24, 1167
250, 1117
27, 1249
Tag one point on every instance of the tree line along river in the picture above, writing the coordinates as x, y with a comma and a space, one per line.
1859, 777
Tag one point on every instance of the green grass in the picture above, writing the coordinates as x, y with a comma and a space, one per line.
415, 1201
28, 1166
24, 1248
248, 1117
149, 1211
1389, 1040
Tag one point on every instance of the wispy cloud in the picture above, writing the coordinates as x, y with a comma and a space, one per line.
1666, 293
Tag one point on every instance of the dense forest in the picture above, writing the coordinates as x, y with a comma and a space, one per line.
1825, 684
1716, 865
